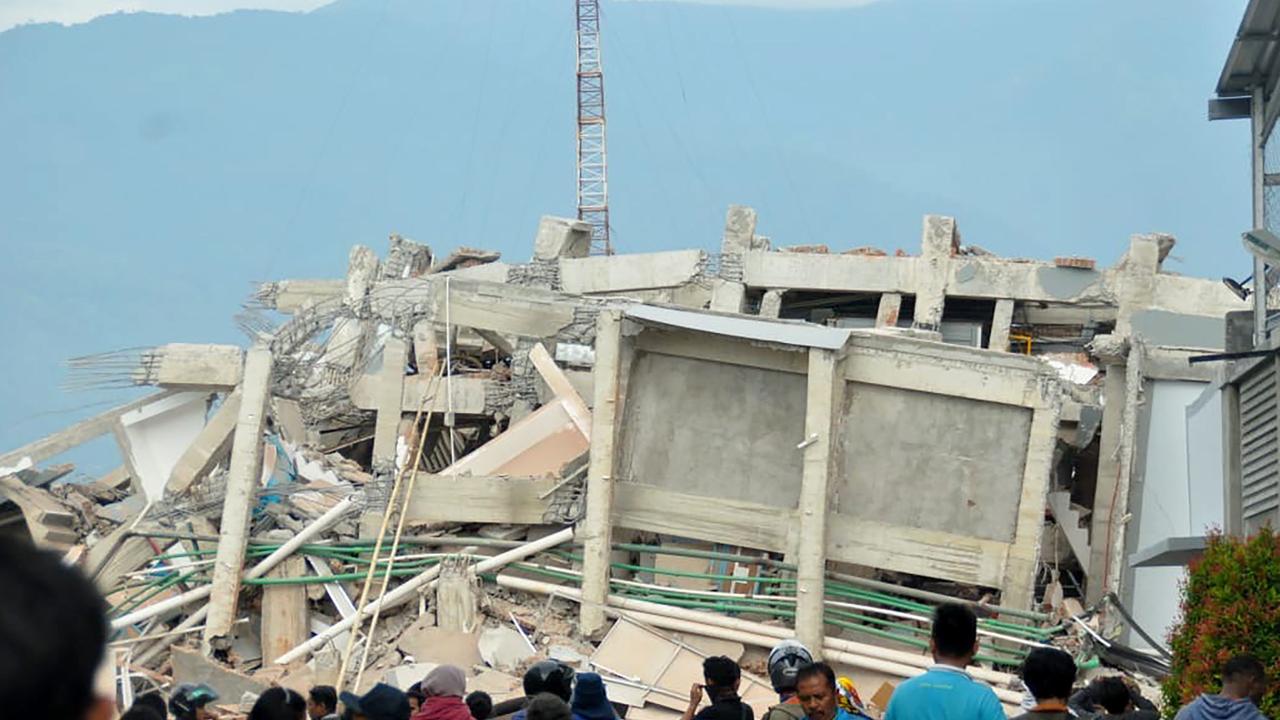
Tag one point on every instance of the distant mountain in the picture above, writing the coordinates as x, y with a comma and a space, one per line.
152, 166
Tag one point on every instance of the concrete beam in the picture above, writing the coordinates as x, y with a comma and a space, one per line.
186, 366
390, 404
1001, 322
887, 312
596, 526
77, 434
427, 392
502, 308
210, 447
242, 480
823, 404
619, 273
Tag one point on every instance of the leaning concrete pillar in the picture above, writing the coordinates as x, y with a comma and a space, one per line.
244, 470
822, 407
596, 526
771, 304
1001, 324
887, 312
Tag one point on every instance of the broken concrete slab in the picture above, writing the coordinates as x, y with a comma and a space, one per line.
190, 666
504, 649
561, 238
427, 643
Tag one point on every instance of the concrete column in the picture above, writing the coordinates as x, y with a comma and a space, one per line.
1001, 322
596, 526
822, 405
887, 313
1136, 281
244, 470
390, 399
1232, 512
934, 269
284, 608
346, 342
728, 296
739, 230
1106, 492
426, 349
771, 305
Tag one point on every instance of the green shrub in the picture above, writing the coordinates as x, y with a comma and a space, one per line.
1230, 605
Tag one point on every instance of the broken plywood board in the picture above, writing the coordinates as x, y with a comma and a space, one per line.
539, 444
663, 665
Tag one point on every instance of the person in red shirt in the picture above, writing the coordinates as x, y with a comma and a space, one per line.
443, 689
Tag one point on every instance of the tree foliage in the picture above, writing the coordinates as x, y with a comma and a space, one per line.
1230, 605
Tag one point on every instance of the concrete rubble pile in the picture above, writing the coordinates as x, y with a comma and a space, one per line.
628, 462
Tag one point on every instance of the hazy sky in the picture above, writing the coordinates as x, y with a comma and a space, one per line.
15, 12
152, 167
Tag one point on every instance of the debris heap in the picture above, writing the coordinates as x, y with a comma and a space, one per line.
625, 462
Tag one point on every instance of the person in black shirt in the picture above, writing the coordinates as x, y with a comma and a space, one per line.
721, 676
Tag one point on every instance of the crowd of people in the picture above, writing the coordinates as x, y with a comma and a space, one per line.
53, 634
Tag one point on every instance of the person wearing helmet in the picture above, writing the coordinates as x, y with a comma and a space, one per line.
785, 661
544, 676
188, 701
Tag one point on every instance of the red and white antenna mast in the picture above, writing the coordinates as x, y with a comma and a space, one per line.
593, 184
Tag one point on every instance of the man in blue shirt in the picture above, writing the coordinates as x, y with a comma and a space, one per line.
945, 691
816, 690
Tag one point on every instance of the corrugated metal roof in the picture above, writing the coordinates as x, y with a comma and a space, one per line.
1255, 55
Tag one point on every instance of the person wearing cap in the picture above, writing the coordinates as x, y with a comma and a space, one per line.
443, 689
590, 699
188, 701
544, 676
784, 663
382, 702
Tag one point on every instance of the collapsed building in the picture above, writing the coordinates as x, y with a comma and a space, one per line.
675, 450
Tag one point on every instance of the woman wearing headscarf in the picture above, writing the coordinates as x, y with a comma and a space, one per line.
590, 701
443, 689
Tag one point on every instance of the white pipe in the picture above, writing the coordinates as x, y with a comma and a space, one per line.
426, 579
297, 541
262, 568
773, 632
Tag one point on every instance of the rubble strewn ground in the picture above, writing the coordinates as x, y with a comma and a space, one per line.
457, 460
